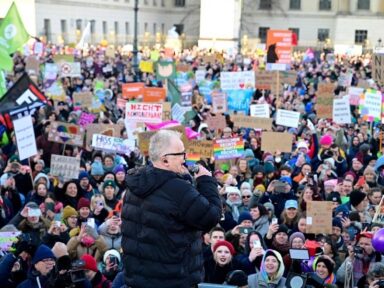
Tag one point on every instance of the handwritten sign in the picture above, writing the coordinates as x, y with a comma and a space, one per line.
153, 94
112, 130
274, 141
237, 80
144, 112
324, 100
378, 68
86, 119
251, 122
319, 217
132, 90
259, 110
204, 148
25, 137
229, 148
265, 79
112, 144
216, 122
219, 102
65, 166
341, 111
7, 239
370, 105
379, 214
66, 133
83, 99
287, 118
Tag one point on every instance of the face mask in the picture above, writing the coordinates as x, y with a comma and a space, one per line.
87, 241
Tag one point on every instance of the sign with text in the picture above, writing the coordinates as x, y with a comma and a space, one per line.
86, 119
370, 105
32, 65
251, 122
379, 214
167, 112
70, 69
219, 102
204, 148
229, 148
144, 112
132, 90
259, 110
287, 118
345, 79
112, 130
83, 99
66, 133
113, 144
265, 79
341, 111
354, 95
153, 94
279, 46
216, 122
378, 68
275, 141
319, 217
25, 137
7, 239
324, 100
64, 166
237, 80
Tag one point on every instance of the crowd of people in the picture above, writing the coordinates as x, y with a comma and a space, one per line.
70, 231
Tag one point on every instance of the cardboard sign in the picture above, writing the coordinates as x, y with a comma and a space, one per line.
265, 79
229, 148
144, 138
216, 122
319, 217
25, 137
204, 148
64, 166
152, 94
251, 122
183, 67
324, 100
378, 68
32, 65
132, 90
86, 119
341, 111
379, 214
237, 80
325, 90
167, 112
7, 239
219, 102
83, 99
275, 141
209, 59
144, 112
66, 133
104, 129
287, 118
260, 110
146, 66
110, 52
113, 144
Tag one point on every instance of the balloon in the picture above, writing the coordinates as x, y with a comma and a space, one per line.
378, 240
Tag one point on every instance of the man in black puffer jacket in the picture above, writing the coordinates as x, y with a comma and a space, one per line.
164, 216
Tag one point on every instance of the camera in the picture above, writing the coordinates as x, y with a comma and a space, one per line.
380, 283
113, 260
77, 271
358, 250
193, 169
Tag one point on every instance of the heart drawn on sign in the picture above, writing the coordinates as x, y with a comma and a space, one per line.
66, 130
242, 85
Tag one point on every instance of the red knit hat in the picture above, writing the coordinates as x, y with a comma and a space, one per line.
83, 202
226, 244
90, 262
368, 235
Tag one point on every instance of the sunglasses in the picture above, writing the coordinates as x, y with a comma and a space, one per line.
246, 196
175, 154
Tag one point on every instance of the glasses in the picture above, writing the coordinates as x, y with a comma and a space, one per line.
246, 196
176, 154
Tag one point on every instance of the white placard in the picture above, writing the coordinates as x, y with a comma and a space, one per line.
237, 80
65, 166
178, 112
260, 110
287, 118
372, 103
113, 144
25, 137
144, 112
70, 69
341, 111
200, 75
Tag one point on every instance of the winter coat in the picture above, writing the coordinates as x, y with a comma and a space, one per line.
163, 218
36, 231
31, 281
261, 225
76, 249
255, 281
113, 241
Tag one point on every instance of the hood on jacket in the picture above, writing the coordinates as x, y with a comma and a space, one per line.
42, 175
280, 270
379, 163
144, 181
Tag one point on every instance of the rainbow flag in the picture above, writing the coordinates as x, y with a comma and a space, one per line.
191, 158
229, 148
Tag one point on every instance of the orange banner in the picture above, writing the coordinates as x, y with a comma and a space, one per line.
132, 90
279, 46
154, 95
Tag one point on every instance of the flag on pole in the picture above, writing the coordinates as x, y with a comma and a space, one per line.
84, 36
12, 31
6, 61
3, 84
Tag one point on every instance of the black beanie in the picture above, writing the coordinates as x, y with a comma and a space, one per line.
282, 228
237, 278
327, 264
356, 197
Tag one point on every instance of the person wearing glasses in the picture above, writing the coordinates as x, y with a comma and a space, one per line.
43, 263
163, 217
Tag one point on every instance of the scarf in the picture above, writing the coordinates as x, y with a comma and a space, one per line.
282, 248
235, 208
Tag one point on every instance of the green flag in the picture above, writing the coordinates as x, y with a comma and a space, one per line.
12, 31
6, 62
3, 87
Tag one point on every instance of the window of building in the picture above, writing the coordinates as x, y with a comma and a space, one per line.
325, 5
154, 28
322, 34
145, 27
127, 32
296, 31
363, 4
295, 4
162, 28
63, 28
361, 36
179, 3
162, 3
78, 24
105, 29
265, 4
47, 29
117, 28
93, 26
154, 3
263, 34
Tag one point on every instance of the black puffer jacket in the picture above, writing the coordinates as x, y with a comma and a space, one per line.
163, 216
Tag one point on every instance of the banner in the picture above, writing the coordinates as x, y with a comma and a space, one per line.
70, 69
287, 118
65, 166
260, 110
237, 80
370, 105
279, 47
144, 112
132, 90
319, 217
239, 100
66, 133
25, 137
341, 111
219, 102
251, 122
275, 141
112, 130
203, 148
229, 148
113, 144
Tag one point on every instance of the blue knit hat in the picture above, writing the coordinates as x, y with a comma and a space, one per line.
42, 252
83, 174
97, 168
118, 168
244, 216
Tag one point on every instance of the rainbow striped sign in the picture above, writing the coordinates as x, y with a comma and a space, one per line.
228, 148
191, 158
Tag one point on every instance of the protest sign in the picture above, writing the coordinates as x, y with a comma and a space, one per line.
66, 133
275, 141
183, 67
113, 144
341, 111
165, 69
38, 48
319, 217
144, 112
288, 77
178, 112
324, 100
209, 59
132, 90
325, 89
153, 94
239, 100
70, 69
7, 239
110, 52
216, 122
186, 94
83, 99
144, 138
60, 58
219, 102
146, 66
345, 79
260, 110
354, 95
363, 84
86, 119
370, 105
287, 118
32, 65
244, 121
229, 148
379, 214
200, 75
104, 129
25, 137
265, 79
121, 103
237, 80
167, 112
279, 46
56, 92
50, 71
204, 148
378, 68
65, 166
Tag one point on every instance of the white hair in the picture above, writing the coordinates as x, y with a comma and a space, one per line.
159, 143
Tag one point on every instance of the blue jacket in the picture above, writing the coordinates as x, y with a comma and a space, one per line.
6, 265
31, 281
346, 208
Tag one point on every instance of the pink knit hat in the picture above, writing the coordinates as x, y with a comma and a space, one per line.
326, 140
